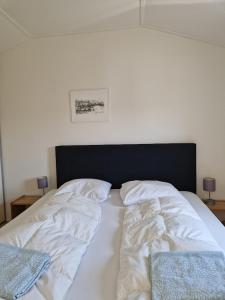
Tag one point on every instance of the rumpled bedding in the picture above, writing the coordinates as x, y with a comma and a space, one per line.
160, 224
63, 226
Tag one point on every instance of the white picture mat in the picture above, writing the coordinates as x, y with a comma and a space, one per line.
89, 111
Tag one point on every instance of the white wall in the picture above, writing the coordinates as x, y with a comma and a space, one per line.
163, 89
2, 215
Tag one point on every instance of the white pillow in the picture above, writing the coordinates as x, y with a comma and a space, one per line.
93, 189
138, 191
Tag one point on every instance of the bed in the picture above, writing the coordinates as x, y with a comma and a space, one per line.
174, 163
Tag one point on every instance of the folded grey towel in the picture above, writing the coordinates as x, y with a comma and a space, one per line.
19, 270
198, 275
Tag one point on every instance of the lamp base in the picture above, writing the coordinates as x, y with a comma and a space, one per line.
209, 201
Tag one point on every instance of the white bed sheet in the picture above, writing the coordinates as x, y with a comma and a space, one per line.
215, 227
96, 278
97, 275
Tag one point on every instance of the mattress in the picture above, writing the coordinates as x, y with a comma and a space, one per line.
97, 275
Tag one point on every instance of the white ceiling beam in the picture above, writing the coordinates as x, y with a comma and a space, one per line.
141, 12
202, 20
15, 23
185, 2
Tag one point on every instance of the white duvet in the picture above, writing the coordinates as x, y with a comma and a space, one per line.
161, 224
62, 226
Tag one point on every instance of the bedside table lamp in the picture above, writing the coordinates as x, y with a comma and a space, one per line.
42, 183
209, 185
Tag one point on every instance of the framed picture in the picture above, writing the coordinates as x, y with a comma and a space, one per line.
89, 105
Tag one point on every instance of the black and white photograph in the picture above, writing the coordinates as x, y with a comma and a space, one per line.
89, 105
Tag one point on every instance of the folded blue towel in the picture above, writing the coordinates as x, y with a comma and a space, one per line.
188, 275
19, 270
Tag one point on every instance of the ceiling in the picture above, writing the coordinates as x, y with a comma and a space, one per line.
24, 19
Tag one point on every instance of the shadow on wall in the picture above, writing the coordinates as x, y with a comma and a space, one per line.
52, 168
30, 185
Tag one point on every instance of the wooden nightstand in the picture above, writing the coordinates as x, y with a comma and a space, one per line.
218, 209
2, 224
22, 203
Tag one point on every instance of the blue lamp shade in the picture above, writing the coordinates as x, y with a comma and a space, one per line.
209, 184
42, 182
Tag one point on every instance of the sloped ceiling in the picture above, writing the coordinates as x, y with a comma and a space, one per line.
20, 20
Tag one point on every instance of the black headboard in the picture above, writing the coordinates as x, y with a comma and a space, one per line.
174, 163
